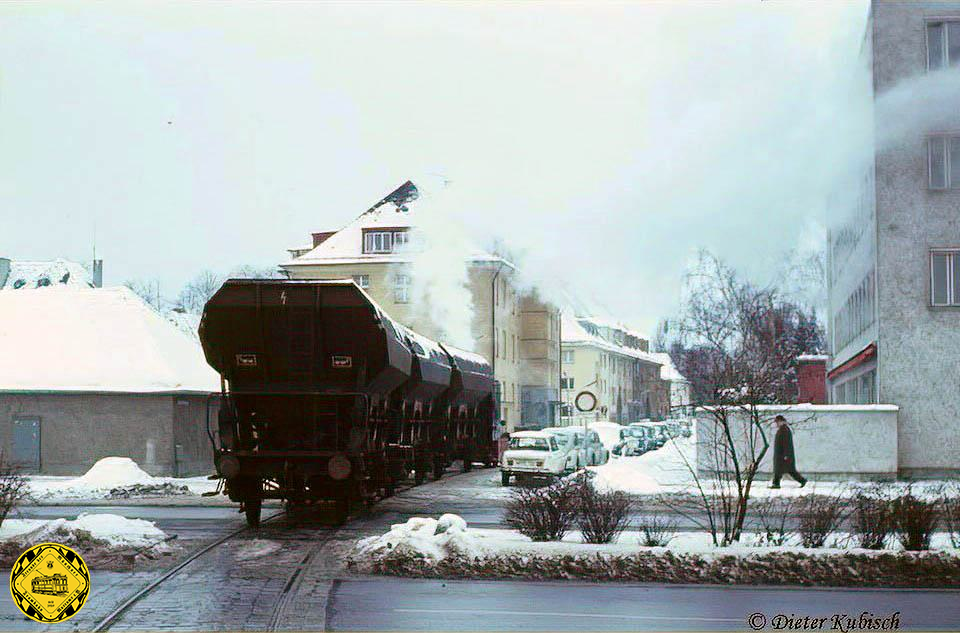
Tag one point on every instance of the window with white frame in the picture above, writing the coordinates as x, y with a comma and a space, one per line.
362, 280
943, 44
945, 277
566, 382
943, 162
384, 240
566, 356
401, 288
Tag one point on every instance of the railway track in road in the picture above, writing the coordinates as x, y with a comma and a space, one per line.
221, 584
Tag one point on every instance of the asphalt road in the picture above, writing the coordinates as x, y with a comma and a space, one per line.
427, 605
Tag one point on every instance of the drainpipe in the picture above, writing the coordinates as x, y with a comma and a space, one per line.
493, 327
559, 419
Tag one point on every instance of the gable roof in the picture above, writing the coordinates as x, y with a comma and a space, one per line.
95, 340
573, 333
396, 210
57, 273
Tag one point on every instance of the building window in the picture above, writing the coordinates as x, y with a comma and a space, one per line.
566, 356
945, 278
943, 45
401, 288
384, 241
943, 162
362, 280
566, 382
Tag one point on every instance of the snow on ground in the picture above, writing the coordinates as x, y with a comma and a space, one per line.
662, 470
107, 474
114, 529
667, 470
430, 538
436, 539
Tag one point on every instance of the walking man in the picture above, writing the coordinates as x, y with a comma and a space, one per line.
784, 460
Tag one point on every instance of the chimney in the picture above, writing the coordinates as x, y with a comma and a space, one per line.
812, 379
4, 271
98, 273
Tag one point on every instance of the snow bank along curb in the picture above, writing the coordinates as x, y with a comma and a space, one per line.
103, 530
446, 548
935, 569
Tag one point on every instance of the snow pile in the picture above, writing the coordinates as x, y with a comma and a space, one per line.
663, 470
114, 478
422, 537
115, 530
113, 472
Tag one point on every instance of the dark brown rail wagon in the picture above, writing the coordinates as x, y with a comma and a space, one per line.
327, 399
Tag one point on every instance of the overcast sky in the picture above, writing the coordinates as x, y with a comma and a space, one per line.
604, 142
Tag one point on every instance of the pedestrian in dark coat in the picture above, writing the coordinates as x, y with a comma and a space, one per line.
784, 460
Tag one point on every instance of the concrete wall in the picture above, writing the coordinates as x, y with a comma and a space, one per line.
919, 346
850, 441
78, 429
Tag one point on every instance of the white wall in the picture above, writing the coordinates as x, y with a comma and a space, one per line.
846, 440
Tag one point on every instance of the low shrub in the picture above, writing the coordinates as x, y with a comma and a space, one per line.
771, 516
602, 516
915, 519
820, 516
872, 519
13, 487
657, 531
543, 514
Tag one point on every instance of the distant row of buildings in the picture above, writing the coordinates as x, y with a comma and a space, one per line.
542, 355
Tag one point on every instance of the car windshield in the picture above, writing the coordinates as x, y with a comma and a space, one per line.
529, 443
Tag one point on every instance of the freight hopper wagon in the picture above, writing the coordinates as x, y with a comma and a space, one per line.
326, 400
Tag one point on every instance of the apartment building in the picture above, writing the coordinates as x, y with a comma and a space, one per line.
894, 260
517, 332
614, 364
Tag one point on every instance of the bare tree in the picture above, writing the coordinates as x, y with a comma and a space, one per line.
198, 291
737, 347
247, 271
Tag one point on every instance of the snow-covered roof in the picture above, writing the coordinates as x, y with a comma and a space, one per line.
57, 273
574, 333
668, 371
95, 340
346, 245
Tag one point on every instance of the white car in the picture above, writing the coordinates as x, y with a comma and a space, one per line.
586, 449
532, 455
570, 440
597, 454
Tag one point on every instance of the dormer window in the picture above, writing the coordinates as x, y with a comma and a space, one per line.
384, 240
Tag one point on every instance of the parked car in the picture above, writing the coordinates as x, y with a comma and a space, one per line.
633, 442
597, 454
532, 455
570, 440
656, 433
